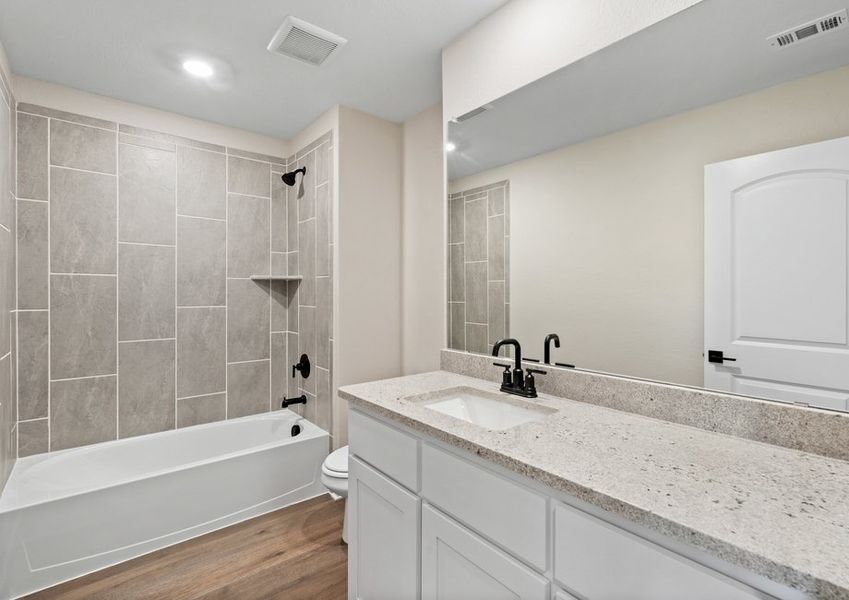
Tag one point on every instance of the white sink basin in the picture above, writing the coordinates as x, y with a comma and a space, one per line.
497, 412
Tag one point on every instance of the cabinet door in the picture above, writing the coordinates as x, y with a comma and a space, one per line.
597, 560
383, 556
458, 565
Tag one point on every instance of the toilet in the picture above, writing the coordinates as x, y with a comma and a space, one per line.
334, 476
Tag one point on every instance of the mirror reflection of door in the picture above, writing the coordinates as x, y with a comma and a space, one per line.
776, 256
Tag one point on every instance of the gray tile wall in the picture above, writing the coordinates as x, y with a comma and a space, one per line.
478, 267
302, 239
8, 277
137, 313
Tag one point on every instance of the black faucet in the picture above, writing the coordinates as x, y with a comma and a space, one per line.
551, 337
515, 382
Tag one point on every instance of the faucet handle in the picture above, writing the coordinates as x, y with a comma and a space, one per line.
507, 375
530, 382
502, 365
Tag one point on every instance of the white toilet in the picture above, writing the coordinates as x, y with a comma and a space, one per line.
334, 476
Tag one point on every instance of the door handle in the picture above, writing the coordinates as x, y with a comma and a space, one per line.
717, 357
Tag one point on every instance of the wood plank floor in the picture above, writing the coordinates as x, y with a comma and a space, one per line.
295, 553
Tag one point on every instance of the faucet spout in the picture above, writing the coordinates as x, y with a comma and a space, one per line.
516, 346
551, 337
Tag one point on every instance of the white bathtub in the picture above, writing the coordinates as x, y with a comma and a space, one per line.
76, 511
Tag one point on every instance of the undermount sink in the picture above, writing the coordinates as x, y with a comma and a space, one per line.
491, 411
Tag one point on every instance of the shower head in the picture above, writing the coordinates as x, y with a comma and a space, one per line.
290, 178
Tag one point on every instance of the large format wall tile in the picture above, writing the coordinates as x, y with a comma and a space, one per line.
476, 292
146, 184
146, 387
306, 258
201, 409
279, 368
33, 357
201, 351
495, 248
32, 157
323, 320
83, 411
146, 292
247, 388
323, 399
82, 222
456, 220
306, 203
248, 251
457, 333
33, 437
248, 177
81, 147
497, 317
201, 183
323, 228
201, 262
280, 306
456, 273
306, 344
475, 232
292, 219
82, 325
279, 212
7, 295
247, 320
32, 254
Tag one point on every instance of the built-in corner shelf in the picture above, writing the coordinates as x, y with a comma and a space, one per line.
276, 278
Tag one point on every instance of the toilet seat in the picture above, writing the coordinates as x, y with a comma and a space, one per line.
336, 464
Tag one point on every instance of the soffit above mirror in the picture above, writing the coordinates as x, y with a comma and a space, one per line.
713, 51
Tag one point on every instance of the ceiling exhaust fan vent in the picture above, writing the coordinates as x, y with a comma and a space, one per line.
806, 31
473, 113
305, 42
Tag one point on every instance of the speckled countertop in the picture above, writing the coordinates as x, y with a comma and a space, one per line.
778, 512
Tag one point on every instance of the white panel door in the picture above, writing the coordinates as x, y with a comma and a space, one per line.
383, 559
458, 565
776, 256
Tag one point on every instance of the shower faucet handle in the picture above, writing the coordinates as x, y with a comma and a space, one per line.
303, 366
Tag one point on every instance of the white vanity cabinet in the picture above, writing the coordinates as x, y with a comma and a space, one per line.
457, 564
384, 535
427, 522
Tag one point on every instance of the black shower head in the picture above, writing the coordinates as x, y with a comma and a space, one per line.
289, 178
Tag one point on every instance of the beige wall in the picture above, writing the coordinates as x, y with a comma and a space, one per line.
607, 235
423, 284
528, 39
369, 254
60, 97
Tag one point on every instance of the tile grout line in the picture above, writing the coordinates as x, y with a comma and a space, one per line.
117, 289
226, 285
176, 276
49, 297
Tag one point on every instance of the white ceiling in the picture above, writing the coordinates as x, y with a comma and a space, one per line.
710, 52
132, 50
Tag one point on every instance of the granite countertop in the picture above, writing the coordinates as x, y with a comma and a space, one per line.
778, 512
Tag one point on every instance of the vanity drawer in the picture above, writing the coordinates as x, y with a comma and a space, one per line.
389, 450
601, 561
507, 513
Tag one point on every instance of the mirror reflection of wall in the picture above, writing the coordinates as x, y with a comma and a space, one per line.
478, 266
607, 172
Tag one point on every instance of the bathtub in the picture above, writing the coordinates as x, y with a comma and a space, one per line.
72, 512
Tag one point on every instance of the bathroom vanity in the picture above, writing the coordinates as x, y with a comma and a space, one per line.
578, 502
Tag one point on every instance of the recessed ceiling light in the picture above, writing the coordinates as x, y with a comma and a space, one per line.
450, 146
198, 68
